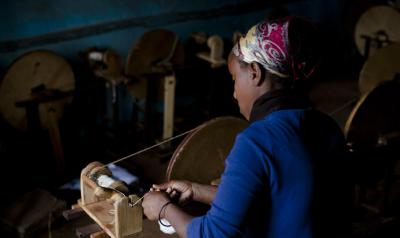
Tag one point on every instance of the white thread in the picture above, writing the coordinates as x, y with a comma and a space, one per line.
168, 229
149, 148
137, 201
105, 181
139, 152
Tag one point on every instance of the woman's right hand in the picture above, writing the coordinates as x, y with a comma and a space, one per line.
182, 190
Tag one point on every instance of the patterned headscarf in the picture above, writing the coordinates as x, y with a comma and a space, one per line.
276, 47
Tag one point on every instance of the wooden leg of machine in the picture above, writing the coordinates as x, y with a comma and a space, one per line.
110, 210
99, 234
55, 137
87, 230
169, 103
128, 220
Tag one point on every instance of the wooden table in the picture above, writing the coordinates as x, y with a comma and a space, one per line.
71, 228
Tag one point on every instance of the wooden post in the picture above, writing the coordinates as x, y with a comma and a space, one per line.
169, 104
128, 220
112, 213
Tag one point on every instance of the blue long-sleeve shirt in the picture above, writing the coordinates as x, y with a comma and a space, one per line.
278, 180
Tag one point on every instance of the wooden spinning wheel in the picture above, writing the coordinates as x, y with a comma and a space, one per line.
376, 28
33, 93
38, 76
381, 66
373, 135
156, 52
376, 115
150, 69
200, 156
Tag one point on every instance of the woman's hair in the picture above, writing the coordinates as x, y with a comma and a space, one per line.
305, 47
279, 82
288, 49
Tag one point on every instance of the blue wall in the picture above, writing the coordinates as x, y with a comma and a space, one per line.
29, 25
29, 19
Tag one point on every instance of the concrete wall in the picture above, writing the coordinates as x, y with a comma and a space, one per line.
68, 26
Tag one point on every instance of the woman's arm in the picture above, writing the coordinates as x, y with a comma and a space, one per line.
157, 205
187, 191
241, 182
177, 218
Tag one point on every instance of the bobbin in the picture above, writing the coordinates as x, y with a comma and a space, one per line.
107, 201
108, 187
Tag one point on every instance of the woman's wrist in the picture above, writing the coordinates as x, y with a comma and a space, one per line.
161, 214
195, 190
203, 193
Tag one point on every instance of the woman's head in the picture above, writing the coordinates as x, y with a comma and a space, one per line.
249, 83
272, 55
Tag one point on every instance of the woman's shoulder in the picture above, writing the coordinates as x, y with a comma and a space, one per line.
261, 130
322, 120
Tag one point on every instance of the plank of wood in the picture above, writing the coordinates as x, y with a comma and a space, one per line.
100, 234
55, 135
73, 214
87, 190
169, 103
128, 220
101, 213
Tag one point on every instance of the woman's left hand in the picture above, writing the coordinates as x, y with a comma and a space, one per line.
152, 203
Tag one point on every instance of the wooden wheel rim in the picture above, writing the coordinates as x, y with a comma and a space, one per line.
201, 155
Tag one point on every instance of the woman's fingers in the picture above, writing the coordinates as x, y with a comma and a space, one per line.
162, 186
173, 194
169, 190
181, 190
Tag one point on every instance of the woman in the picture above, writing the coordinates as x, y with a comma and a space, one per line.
284, 176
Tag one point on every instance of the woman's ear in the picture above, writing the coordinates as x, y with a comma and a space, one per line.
257, 73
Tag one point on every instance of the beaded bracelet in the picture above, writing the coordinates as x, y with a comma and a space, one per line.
159, 215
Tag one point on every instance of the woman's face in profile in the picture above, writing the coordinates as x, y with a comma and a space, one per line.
243, 89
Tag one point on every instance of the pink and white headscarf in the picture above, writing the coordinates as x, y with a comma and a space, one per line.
269, 44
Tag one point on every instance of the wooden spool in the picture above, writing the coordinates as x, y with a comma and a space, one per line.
32, 70
381, 66
88, 170
110, 210
155, 52
376, 116
215, 56
106, 65
377, 22
96, 169
200, 157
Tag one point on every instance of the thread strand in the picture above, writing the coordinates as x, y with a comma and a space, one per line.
149, 148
